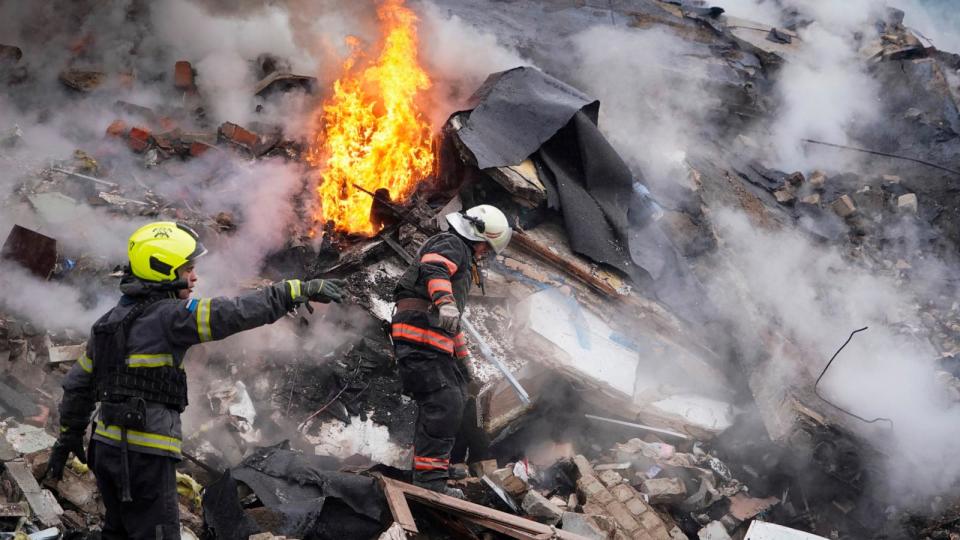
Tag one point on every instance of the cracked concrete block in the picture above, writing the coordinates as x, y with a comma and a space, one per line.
665, 490
540, 509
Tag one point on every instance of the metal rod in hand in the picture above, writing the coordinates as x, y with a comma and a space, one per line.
489, 355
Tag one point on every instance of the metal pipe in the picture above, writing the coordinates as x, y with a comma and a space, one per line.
84, 177
639, 426
489, 355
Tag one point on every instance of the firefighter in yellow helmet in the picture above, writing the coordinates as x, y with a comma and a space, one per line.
431, 350
133, 367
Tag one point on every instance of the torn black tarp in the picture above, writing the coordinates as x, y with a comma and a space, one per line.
307, 498
517, 111
608, 214
222, 513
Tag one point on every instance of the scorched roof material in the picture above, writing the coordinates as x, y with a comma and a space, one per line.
279, 475
608, 214
517, 111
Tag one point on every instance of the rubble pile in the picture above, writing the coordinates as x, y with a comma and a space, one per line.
637, 409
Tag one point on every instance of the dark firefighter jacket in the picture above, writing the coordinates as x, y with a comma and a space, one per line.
443, 272
160, 338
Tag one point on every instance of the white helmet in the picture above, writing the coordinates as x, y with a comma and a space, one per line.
483, 223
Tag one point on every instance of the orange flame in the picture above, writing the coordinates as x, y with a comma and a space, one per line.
372, 132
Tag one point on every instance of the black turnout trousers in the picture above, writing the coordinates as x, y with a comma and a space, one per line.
438, 385
154, 513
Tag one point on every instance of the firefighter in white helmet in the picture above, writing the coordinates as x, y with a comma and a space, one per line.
430, 348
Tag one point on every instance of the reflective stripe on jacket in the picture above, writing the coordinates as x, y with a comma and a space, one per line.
160, 338
441, 274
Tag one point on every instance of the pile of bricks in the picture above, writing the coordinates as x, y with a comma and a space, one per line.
619, 508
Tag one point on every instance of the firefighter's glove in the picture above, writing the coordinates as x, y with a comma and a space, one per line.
449, 317
70, 442
324, 290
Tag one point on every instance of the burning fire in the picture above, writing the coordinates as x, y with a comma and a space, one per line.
372, 133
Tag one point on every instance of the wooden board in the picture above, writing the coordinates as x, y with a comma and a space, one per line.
508, 524
398, 506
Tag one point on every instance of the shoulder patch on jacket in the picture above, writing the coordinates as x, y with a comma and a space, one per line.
192, 305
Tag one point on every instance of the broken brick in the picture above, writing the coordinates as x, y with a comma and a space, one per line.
907, 203
198, 148
485, 467
183, 75
636, 506
651, 521
623, 492
238, 135
818, 179
811, 199
784, 195
623, 517
844, 206
505, 479
593, 490
610, 478
593, 509
117, 128
665, 490
583, 465
139, 139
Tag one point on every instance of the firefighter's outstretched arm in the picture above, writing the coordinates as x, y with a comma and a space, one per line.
199, 320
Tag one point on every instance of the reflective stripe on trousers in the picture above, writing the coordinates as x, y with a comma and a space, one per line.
140, 438
408, 332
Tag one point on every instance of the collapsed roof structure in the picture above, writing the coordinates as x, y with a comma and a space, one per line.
669, 303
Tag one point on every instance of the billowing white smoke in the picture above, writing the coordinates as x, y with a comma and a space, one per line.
446, 40
824, 91
48, 305
264, 193
654, 115
653, 98
224, 48
815, 297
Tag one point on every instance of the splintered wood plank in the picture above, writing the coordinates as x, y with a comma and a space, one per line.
398, 506
507, 522
523, 242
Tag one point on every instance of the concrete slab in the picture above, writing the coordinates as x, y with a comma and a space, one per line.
586, 341
761, 530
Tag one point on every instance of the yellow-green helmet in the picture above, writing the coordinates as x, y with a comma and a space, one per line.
158, 249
